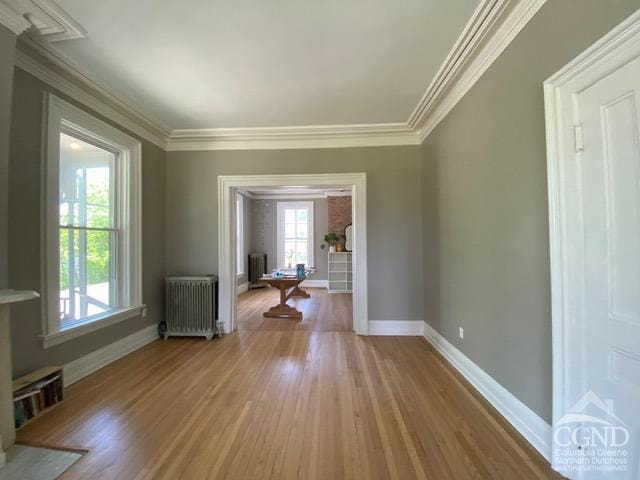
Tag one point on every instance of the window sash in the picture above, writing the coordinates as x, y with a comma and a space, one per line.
113, 276
78, 220
125, 228
285, 238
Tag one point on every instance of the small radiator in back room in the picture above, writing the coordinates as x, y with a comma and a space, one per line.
257, 268
192, 308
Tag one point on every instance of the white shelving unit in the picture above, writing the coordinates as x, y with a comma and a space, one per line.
340, 272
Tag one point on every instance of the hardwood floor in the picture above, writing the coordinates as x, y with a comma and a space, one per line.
321, 313
284, 403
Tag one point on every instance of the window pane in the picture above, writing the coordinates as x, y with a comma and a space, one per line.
289, 215
289, 254
86, 179
301, 252
86, 266
289, 230
303, 230
302, 215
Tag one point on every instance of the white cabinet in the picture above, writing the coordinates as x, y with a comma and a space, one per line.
340, 272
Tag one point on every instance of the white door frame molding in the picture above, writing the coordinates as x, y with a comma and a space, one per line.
227, 186
614, 50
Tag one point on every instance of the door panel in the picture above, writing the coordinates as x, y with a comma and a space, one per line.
609, 349
620, 129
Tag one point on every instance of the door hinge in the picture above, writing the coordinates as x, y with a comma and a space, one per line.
578, 134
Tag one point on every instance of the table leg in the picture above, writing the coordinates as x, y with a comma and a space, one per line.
282, 310
298, 292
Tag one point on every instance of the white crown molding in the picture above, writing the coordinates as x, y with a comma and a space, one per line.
474, 31
50, 23
493, 25
12, 19
45, 63
313, 136
43, 19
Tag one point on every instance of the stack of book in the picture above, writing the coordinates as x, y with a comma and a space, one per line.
33, 398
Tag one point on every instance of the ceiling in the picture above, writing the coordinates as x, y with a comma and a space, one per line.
248, 63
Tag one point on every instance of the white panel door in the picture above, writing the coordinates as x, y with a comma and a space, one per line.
607, 338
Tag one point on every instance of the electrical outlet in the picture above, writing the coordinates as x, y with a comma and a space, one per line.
461, 332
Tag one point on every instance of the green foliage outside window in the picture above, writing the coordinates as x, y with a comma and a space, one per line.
97, 242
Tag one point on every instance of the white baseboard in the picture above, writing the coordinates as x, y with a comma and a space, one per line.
243, 287
83, 366
534, 429
396, 327
314, 284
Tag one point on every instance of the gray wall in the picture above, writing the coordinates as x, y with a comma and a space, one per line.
394, 213
7, 57
486, 255
264, 232
25, 235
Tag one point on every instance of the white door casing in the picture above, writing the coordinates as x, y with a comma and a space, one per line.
593, 150
229, 184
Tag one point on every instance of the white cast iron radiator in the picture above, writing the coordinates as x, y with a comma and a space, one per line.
191, 306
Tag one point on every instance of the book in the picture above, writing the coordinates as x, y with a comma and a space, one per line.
35, 397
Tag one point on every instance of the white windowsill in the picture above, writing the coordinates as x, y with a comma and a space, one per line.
75, 331
241, 274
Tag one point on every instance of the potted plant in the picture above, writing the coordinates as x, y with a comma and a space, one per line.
332, 240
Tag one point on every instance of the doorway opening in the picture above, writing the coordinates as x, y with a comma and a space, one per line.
276, 224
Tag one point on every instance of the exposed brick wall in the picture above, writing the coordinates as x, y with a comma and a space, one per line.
339, 214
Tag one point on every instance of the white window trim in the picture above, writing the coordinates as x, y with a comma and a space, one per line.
280, 229
240, 235
60, 116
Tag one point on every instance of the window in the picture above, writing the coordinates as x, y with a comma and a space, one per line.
92, 231
295, 234
88, 230
239, 234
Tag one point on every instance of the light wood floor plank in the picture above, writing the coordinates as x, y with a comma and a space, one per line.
285, 400
323, 312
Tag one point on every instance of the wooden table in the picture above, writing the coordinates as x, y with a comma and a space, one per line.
289, 287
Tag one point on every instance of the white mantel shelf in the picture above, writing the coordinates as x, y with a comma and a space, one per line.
13, 296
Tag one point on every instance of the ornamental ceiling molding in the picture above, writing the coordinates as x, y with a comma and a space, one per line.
42, 23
